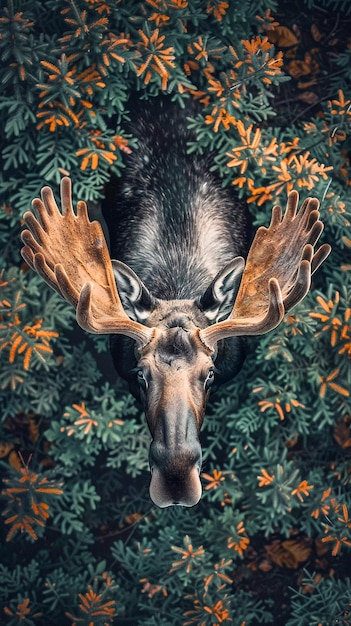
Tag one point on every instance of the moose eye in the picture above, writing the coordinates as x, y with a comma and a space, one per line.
141, 379
209, 380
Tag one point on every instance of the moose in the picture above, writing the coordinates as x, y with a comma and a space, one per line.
179, 299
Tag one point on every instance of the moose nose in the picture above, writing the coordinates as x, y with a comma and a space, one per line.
166, 491
175, 479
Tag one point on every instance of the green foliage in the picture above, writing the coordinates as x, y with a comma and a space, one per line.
336, 5
323, 601
269, 543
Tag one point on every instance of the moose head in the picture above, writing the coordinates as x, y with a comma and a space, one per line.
175, 346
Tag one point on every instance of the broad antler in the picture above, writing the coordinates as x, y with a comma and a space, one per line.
71, 255
278, 271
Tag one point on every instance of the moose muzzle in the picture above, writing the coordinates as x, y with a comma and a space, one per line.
176, 486
175, 460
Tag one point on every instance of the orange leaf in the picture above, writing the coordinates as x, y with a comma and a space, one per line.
14, 347
27, 357
58, 492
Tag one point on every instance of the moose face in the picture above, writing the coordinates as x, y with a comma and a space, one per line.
175, 373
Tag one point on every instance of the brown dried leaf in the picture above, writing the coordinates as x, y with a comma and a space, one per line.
5, 448
289, 553
14, 460
309, 97
321, 548
316, 33
282, 37
290, 443
306, 84
265, 565
342, 434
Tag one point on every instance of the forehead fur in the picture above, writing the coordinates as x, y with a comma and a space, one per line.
176, 344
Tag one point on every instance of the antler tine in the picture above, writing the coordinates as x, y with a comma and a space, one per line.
320, 256
37, 263
284, 252
70, 253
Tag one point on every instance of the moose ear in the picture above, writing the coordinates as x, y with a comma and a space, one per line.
218, 299
135, 297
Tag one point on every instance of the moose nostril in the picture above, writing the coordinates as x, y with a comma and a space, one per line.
167, 490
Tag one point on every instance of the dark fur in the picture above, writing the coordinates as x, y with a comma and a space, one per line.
163, 186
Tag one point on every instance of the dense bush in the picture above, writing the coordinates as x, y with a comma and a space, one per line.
270, 540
